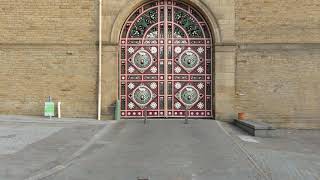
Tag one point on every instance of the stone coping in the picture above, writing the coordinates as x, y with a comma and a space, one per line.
255, 128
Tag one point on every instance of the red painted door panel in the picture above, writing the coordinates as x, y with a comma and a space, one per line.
166, 62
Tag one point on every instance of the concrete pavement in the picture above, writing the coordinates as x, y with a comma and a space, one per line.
33, 145
163, 150
289, 155
79, 149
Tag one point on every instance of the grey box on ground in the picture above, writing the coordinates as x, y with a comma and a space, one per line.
254, 128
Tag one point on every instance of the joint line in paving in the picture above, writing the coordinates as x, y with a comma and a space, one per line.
75, 155
243, 149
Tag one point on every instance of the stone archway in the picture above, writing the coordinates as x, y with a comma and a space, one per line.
134, 4
220, 20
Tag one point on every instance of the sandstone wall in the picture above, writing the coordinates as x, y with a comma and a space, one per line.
47, 48
280, 84
277, 62
277, 21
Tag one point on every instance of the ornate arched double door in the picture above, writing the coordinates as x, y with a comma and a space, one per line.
166, 62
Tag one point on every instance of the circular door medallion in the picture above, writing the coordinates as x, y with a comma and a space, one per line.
142, 60
188, 95
142, 95
189, 60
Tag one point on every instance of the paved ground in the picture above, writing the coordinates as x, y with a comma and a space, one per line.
30, 146
290, 155
161, 150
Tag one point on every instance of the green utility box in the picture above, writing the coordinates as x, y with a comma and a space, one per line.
49, 109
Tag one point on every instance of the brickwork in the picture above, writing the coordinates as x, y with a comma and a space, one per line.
29, 74
277, 66
278, 21
279, 84
48, 21
48, 48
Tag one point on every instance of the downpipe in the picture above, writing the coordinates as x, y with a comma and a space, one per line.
100, 60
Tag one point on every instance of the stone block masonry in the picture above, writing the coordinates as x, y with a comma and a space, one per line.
277, 21
29, 74
277, 62
48, 22
279, 84
48, 47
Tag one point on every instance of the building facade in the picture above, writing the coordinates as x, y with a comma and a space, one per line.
164, 58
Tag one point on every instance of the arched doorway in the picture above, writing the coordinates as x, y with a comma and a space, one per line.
166, 62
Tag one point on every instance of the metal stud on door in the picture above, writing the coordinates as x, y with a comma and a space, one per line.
166, 62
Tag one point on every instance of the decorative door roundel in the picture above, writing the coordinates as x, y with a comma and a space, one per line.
142, 60
188, 95
142, 95
166, 62
189, 60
